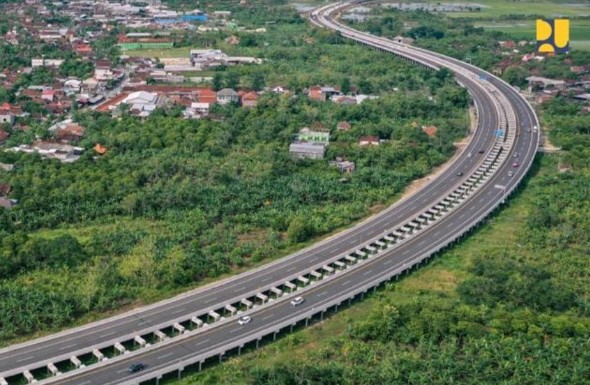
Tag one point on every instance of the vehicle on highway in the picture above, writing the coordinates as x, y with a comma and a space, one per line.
244, 320
480, 151
515, 164
460, 173
136, 367
527, 130
515, 155
510, 173
469, 155
297, 301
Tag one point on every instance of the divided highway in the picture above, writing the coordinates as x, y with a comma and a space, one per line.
220, 337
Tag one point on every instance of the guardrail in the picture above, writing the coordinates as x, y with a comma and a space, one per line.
374, 283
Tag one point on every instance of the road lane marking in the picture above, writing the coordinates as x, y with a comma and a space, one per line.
210, 300
202, 342
165, 355
67, 346
178, 311
107, 334
268, 316
26, 358
345, 283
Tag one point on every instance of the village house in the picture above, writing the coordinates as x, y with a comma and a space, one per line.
227, 95
343, 126
307, 135
250, 99
83, 49
368, 141
67, 131
65, 153
322, 93
343, 165
203, 59
307, 150
48, 95
197, 110
52, 63
206, 95
142, 103
541, 82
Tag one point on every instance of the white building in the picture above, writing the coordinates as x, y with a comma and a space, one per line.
46, 62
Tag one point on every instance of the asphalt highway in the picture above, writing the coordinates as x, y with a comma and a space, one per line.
372, 270
40, 352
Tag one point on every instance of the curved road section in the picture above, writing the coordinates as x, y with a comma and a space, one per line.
506, 158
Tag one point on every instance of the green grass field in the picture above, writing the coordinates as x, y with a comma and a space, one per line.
497, 8
159, 53
496, 15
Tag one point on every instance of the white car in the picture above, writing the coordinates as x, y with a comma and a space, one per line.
297, 301
244, 320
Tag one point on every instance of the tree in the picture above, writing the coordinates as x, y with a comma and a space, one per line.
345, 85
217, 83
299, 230
232, 80
258, 81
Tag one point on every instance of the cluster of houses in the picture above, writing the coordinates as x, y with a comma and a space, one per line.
197, 101
334, 94
311, 143
541, 89
5, 189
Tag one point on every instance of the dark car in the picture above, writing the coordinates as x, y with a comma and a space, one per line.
134, 368
481, 151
